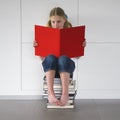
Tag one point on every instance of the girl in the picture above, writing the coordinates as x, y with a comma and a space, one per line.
63, 66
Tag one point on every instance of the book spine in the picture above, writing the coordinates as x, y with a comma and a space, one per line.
66, 106
59, 86
60, 91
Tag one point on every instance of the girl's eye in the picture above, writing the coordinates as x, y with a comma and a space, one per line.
53, 21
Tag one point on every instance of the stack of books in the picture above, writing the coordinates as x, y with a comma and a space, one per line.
58, 91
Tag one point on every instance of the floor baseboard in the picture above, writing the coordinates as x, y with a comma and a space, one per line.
20, 97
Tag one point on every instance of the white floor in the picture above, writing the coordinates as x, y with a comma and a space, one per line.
36, 110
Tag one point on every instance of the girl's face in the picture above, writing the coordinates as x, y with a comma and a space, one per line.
57, 22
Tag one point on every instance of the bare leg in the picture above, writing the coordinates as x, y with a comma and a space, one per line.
50, 81
65, 84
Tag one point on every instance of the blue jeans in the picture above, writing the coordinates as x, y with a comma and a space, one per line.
61, 64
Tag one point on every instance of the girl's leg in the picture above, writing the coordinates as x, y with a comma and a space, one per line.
65, 76
50, 66
66, 66
50, 81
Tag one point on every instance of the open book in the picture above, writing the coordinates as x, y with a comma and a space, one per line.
66, 41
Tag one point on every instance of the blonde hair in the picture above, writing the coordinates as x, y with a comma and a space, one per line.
59, 12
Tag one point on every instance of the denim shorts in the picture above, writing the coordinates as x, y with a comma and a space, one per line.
61, 64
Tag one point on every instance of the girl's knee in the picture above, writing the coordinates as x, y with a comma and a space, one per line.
66, 64
63, 59
51, 58
50, 63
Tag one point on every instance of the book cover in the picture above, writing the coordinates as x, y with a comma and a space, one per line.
66, 41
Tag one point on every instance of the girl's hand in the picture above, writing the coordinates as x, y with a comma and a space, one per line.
42, 58
78, 57
35, 43
84, 44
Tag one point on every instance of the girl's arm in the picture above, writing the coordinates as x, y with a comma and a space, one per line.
84, 45
35, 44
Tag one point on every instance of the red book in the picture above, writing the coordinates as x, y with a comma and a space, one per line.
66, 41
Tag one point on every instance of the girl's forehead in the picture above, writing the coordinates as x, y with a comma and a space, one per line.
56, 17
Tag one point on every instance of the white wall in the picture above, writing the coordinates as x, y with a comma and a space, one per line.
10, 47
98, 71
